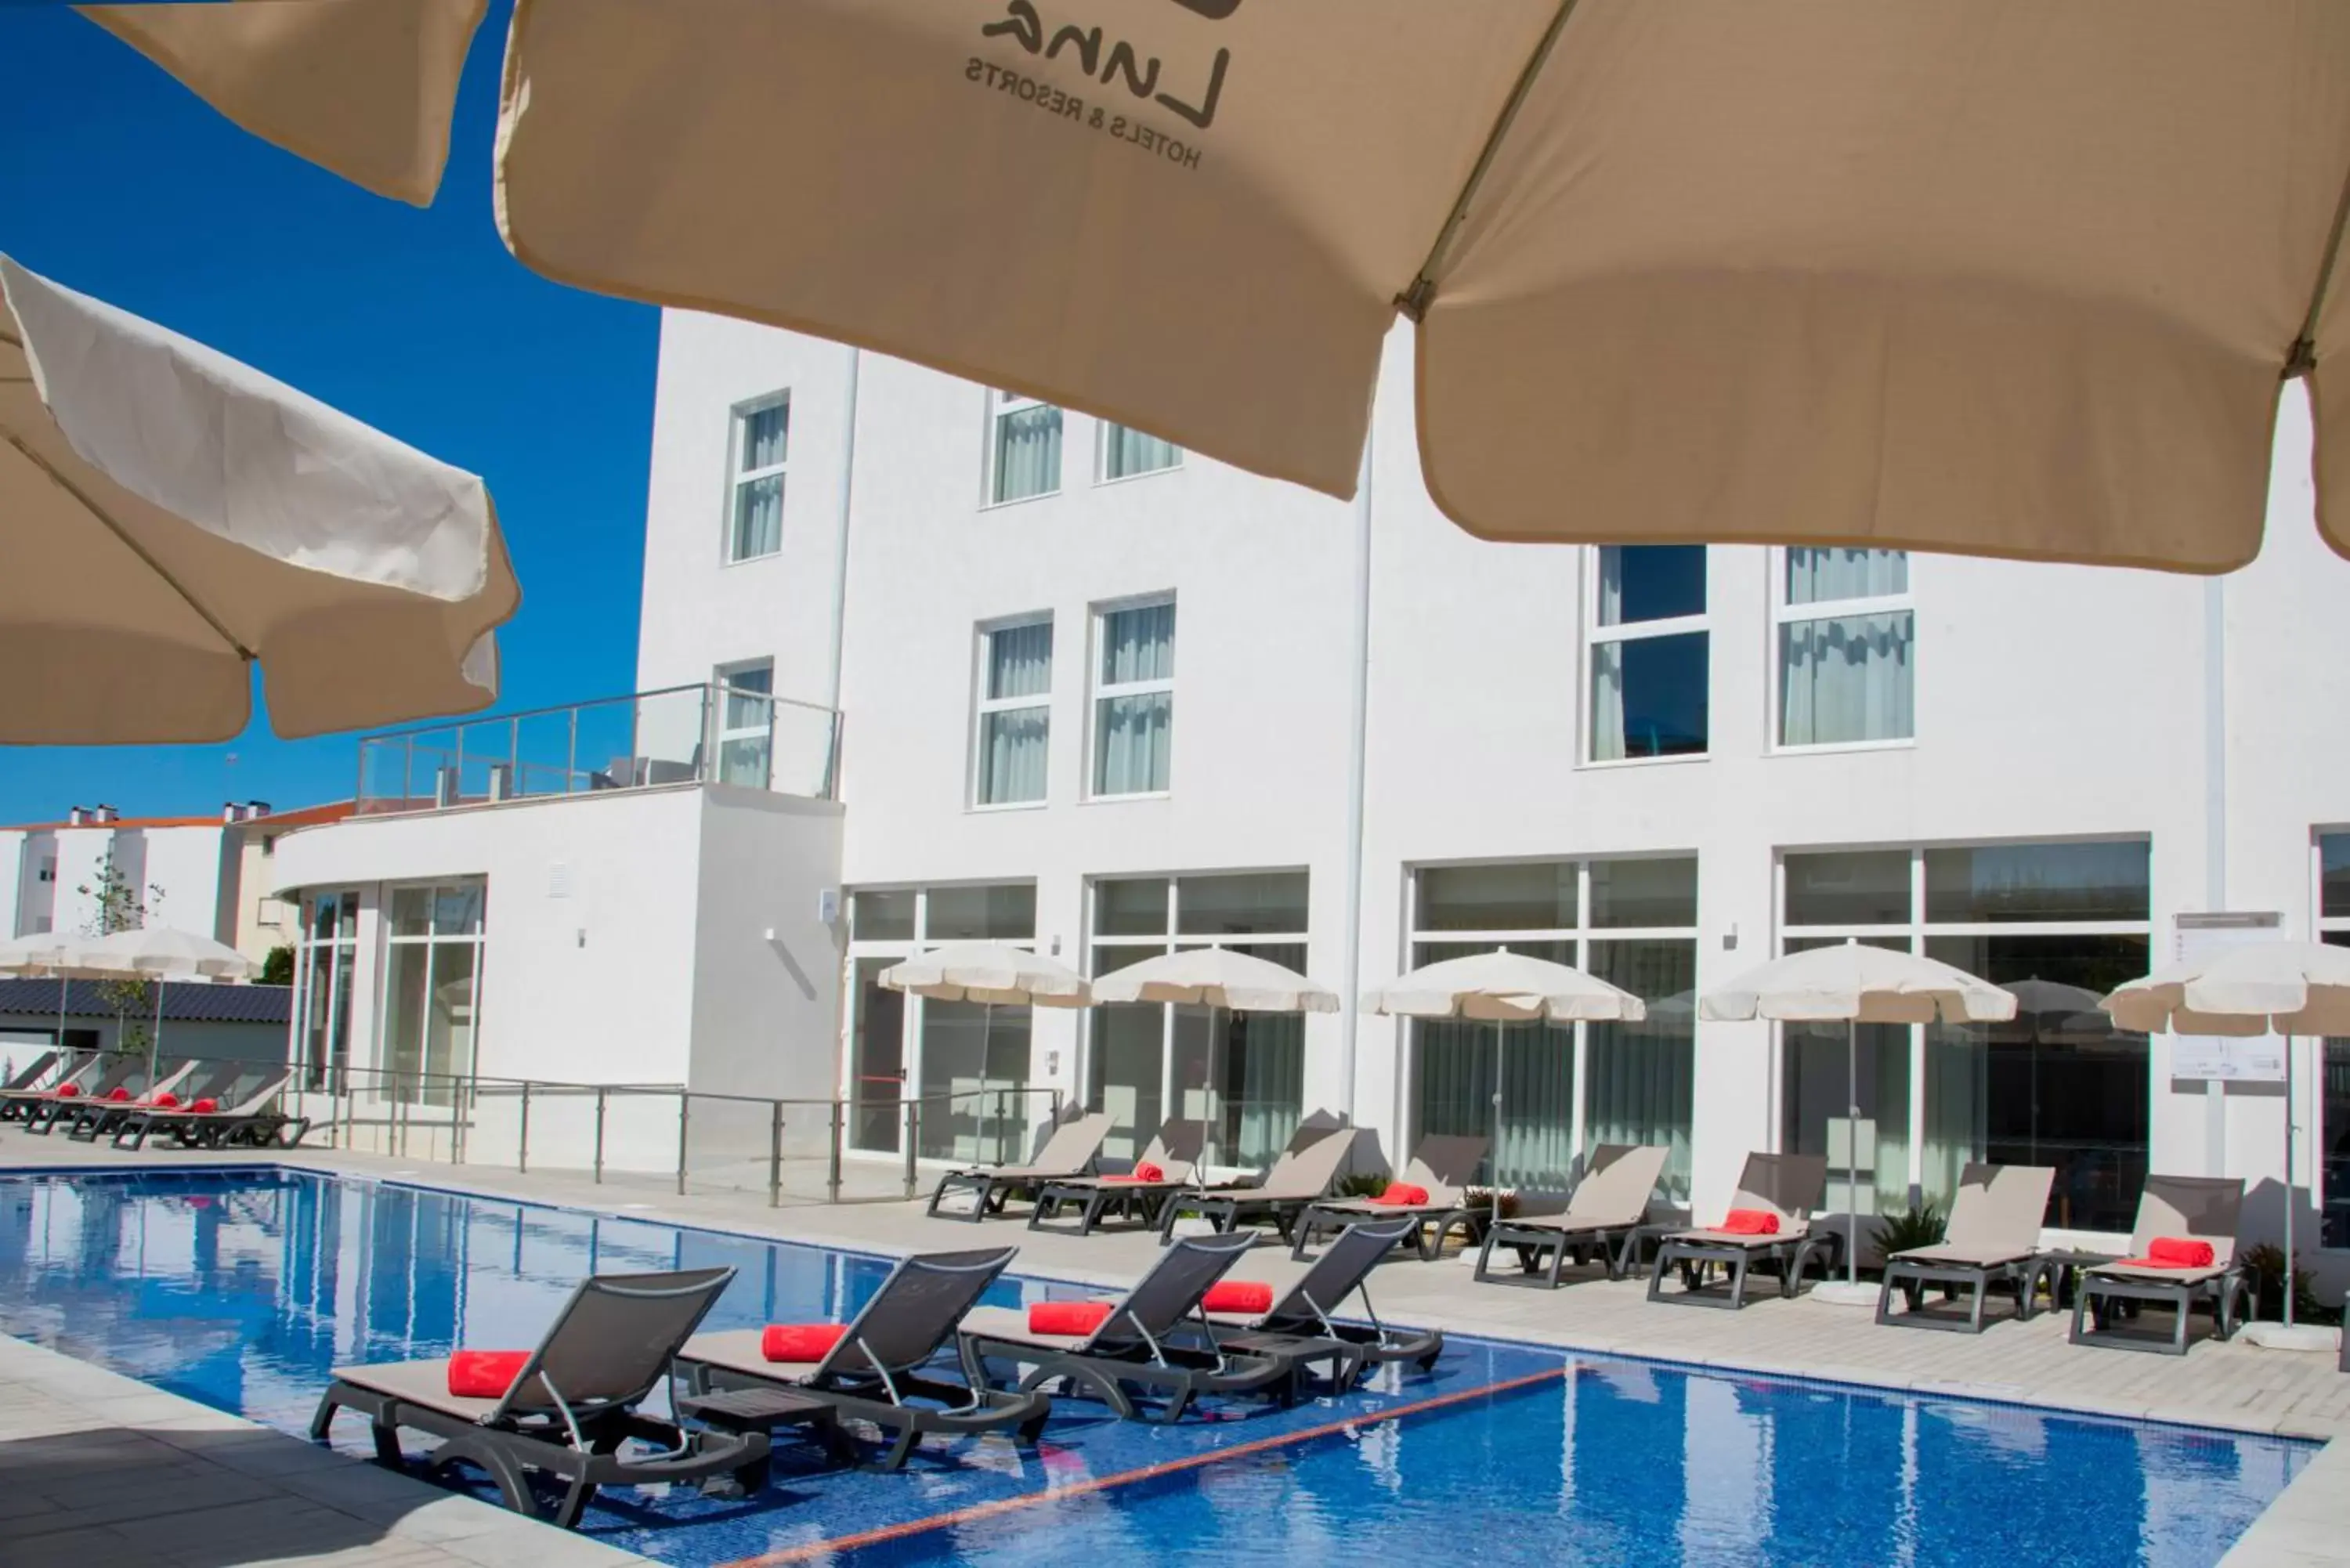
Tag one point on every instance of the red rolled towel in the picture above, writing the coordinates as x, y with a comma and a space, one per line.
800, 1341
206, 1105
1238, 1296
69, 1091
1076, 1319
1403, 1195
1144, 1172
1749, 1222
166, 1101
2175, 1252
484, 1373
118, 1095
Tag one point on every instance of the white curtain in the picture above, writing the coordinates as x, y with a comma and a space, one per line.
1608, 663
1134, 733
1818, 1063
1027, 451
1848, 678
759, 502
1015, 742
1641, 1078
1818, 576
1127, 453
1456, 1074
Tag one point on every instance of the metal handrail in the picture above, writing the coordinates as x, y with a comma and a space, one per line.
460, 720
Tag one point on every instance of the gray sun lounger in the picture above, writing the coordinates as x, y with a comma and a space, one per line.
1790, 1186
572, 1407
84, 1119
2194, 1208
1137, 1345
20, 1088
191, 1082
243, 1094
1993, 1237
1300, 1324
1442, 1164
1070, 1151
1300, 1177
98, 1078
880, 1372
1610, 1205
1174, 1149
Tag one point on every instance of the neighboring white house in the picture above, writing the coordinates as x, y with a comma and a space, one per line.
1099, 696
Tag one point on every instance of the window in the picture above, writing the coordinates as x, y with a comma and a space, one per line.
1149, 1063
1847, 634
1134, 698
326, 950
1023, 447
1565, 1088
1125, 454
1014, 713
2333, 1109
747, 723
2060, 925
1649, 658
762, 435
433, 991
964, 1065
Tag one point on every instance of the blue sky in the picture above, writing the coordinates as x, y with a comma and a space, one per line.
116, 181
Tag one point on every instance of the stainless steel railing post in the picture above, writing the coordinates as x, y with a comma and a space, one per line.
522, 1153
775, 1155
599, 1133
913, 1135
831, 1166
684, 1109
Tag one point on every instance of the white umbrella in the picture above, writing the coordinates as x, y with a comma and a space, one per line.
159, 953
1855, 984
1504, 987
990, 974
37, 957
2293, 988
172, 517
1218, 979
2039, 999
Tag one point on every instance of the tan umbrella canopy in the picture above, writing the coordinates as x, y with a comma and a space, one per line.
169, 516
988, 972
2012, 280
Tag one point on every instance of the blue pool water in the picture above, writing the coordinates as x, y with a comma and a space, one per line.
239, 1288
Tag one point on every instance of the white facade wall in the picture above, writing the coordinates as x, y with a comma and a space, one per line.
192, 866
2052, 701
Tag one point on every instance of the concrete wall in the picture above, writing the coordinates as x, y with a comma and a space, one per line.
192, 865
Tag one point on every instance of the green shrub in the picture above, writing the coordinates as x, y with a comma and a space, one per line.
1362, 1184
2265, 1263
1921, 1227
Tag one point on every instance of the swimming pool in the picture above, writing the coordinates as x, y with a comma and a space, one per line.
240, 1287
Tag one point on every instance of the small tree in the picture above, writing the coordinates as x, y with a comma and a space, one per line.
278, 968
123, 905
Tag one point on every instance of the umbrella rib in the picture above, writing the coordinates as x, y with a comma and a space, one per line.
1415, 298
135, 548
2302, 358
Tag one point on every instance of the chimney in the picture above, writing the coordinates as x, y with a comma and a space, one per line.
232, 812
256, 808
103, 813
79, 817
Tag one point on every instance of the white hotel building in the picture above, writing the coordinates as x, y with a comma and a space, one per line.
1103, 697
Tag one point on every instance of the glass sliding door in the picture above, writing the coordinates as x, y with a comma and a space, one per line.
431, 992
877, 1067
326, 954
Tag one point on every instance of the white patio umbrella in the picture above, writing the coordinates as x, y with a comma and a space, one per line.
1220, 980
1503, 987
1904, 248
990, 974
171, 517
1855, 985
37, 957
2037, 999
2296, 988
159, 953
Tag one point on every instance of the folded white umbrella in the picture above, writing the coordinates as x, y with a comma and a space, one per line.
989, 972
170, 517
2295, 989
1853, 984
2017, 280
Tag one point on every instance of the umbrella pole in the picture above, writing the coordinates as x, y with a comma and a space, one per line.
63, 980
1493, 1162
2288, 1182
155, 1038
1852, 1151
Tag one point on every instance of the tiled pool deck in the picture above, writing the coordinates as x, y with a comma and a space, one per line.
2234, 1387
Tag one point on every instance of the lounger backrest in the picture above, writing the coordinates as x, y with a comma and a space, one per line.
1789, 1185
1621, 1179
913, 1315
614, 1339
1171, 1290
32, 1075
1307, 1174
213, 1082
107, 1076
1999, 1207
250, 1091
1177, 1141
1444, 1163
1074, 1144
1337, 1274
2200, 1208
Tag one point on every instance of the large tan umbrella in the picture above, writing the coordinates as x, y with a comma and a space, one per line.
168, 518
2017, 280
1853, 984
2296, 989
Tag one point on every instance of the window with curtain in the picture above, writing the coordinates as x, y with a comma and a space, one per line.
1564, 1088
1015, 712
747, 723
433, 962
1134, 698
1848, 644
1649, 652
2333, 1103
1023, 447
1125, 454
755, 514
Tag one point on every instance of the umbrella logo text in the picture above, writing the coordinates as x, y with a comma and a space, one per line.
1123, 64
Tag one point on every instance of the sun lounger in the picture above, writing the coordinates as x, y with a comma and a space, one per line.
1442, 1167
572, 1406
1993, 1237
1174, 1150
1070, 1151
1302, 1176
1786, 1186
104, 1110
99, 1077
1137, 1346
1300, 1324
191, 1083
1608, 1205
880, 1372
2187, 1208
20, 1088
242, 1096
